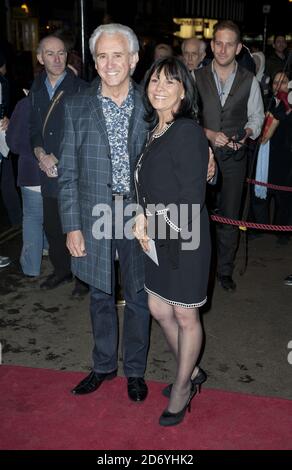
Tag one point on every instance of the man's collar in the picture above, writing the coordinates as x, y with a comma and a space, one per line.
60, 79
233, 71
130, 92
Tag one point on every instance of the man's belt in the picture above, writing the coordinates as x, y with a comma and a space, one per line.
121, 196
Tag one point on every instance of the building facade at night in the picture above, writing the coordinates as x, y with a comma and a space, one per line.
24, 23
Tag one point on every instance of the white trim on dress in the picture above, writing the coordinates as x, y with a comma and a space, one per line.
173, 302
167, 220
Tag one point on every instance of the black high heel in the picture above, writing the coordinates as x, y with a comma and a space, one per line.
197, 382
172, 419
200, 378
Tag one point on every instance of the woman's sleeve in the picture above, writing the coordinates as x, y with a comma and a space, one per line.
190, 164
189, 151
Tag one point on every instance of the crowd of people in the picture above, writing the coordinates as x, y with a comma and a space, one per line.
115, 169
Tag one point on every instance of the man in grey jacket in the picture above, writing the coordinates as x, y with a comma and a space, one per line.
104, 134
47, 96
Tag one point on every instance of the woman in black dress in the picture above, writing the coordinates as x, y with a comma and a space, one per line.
171, 180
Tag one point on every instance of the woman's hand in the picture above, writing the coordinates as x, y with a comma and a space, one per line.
140, 231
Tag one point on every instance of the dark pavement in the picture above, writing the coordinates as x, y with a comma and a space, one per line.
247, 332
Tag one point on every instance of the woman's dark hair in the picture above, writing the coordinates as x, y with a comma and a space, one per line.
175, 69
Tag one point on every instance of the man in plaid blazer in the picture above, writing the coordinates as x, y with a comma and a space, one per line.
104, 134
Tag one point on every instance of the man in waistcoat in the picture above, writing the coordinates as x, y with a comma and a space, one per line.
232, 111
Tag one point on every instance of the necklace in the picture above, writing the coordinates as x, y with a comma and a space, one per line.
156, 135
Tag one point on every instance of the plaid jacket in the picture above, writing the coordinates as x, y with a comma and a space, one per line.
85, 178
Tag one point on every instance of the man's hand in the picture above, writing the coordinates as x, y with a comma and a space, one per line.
47, 164
39, 153
211, 165
239, 139
75, 243
140, 231
218, 139
221, 139
4, 124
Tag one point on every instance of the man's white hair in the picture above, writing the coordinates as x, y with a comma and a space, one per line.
196, 41
114, 28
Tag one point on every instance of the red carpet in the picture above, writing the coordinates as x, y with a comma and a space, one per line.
38, 412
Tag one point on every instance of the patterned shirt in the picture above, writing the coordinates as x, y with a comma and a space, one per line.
117, 119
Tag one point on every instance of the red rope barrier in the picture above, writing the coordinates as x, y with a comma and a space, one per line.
269, 185
243, 223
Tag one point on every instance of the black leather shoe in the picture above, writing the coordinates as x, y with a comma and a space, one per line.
54, 281
226, 282
288, 280
137, 388
80, 289
92, 382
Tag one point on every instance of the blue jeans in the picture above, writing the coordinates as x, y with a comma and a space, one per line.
105, 322
33, 233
